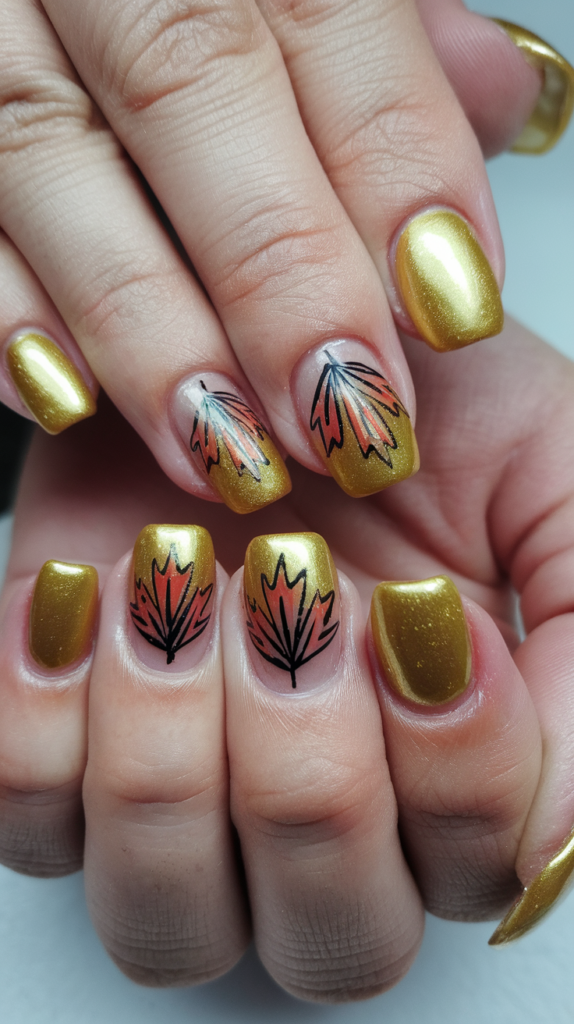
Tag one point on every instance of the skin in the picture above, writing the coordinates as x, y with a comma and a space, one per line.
292, 208
477, 787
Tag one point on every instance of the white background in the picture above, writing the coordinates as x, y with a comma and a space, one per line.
52, 968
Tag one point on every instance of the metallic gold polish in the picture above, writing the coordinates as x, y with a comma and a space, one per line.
358, 424
50, 386
63, 613
543, 893
242, 493
421, 639
446, 282
553, 111
190, 544
173, 580
359, 476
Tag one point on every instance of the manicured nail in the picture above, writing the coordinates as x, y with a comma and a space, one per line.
552, 113
421, 639
543, 893
174, 577
357, 422
446, 282
230, 443
292, 606
63, 613
49, 383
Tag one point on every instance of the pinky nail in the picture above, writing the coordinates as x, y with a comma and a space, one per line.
421, 639
63, 613
48, 383
538, 898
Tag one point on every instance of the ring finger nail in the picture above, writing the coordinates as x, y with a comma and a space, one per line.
421, 639
357, 422
230, 443
174, 577
292, 605
552, 113
48, 383
446, 282
63, 613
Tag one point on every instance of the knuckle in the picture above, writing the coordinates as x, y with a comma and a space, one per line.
308, 12
41, 832
329, 803
172, 44
161, 795
119, 293
40, 107
286, 260
394, 143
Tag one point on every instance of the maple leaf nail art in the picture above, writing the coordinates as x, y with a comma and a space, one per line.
173, 591
225, 419
358, 424
291, 611
232, 444
359, 393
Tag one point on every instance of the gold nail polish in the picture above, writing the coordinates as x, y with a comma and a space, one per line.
63, 613
421, 639
240, 458
174, 576
553, 111
360, 428
291, 599
446, 282
48, 383
543, 893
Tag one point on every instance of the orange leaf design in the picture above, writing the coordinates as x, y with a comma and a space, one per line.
288, 633
368, 401
170, 616
224, 418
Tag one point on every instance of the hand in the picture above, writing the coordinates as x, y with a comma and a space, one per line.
289, 181
478, 780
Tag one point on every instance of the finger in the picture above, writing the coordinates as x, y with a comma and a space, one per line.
497, 88
536, 544
276, 252
161, 877
47, 380
336, 915
402, 158
463, 744
47, 627
114, 274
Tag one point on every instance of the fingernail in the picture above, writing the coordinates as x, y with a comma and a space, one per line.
63, 613
421, 639
230, 443
543, 893
49, 384
446, 282
357, 422
292, 605
552, 113
174, 577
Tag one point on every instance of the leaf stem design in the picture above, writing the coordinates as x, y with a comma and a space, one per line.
169, 617
288, 633
367, 399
